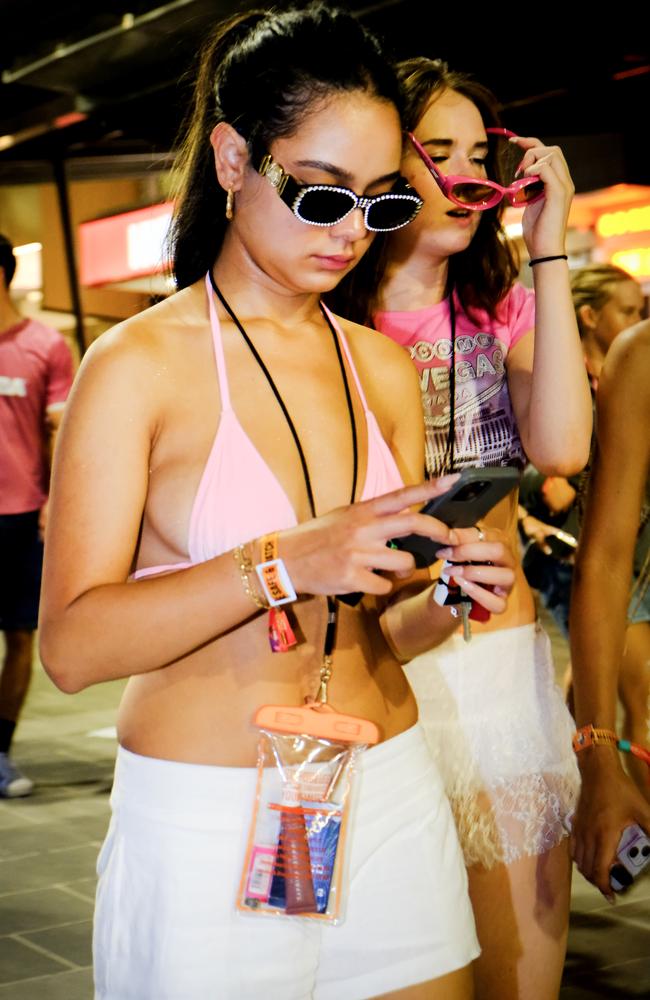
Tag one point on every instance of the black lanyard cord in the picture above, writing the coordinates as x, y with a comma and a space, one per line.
332, 608
287, 416
348, 399
451, 436
332, 613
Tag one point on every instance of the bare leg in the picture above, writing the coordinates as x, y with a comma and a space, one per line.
522, 919
454, 986
16, 672
567, 687
634, 693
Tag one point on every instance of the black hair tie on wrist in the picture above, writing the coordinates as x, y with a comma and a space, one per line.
542, 260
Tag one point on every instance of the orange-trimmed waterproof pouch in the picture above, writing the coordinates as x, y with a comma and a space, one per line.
295, 863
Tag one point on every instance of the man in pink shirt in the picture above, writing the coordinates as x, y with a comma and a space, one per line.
35, 378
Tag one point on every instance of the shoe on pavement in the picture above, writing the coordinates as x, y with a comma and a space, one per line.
13, 784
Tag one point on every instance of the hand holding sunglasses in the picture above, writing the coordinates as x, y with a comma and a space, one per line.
328, 204
544, 228
478, 194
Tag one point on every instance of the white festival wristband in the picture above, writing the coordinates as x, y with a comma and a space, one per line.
276, 582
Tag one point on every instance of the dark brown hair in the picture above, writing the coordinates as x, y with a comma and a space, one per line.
262, 72
7, 260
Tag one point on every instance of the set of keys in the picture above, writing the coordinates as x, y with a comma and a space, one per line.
460, 607
449, 593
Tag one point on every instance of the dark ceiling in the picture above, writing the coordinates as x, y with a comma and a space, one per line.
119, 64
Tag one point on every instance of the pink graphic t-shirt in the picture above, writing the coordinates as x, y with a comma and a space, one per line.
485, 427
35, 376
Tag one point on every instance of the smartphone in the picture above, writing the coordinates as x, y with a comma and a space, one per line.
472, 496
475, 493
632, 858
562, 545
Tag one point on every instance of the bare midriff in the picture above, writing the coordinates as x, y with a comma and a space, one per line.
521, 603
200, 709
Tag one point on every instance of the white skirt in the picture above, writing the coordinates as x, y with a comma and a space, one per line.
166, 927
500, 734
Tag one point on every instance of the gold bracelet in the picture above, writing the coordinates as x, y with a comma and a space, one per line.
245, 565
589, 736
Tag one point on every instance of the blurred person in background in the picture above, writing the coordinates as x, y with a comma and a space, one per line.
607, 300
35, 378
617, 508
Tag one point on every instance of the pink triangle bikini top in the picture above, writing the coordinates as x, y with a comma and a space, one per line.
227, 509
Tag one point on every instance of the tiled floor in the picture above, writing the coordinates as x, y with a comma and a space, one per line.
49, 842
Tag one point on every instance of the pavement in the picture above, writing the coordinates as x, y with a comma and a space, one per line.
49, 843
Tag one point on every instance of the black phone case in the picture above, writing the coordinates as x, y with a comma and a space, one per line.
476, 492
483, 488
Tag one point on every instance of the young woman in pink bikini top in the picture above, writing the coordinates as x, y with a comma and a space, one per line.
239, 406
175, 449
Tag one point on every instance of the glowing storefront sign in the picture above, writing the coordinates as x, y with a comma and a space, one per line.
124, 246
29, 268
629, 220
635, 261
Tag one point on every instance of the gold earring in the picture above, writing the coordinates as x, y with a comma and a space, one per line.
230, 204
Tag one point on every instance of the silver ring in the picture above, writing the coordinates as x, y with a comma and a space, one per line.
481, 534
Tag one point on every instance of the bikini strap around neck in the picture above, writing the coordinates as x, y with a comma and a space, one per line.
219, 294
335, 325
219, 356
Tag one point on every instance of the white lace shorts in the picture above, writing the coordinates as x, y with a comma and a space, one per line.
166, 927
501, 737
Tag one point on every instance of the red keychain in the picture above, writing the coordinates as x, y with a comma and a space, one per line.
281, 635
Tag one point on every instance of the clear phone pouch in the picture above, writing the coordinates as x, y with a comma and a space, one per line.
295, 863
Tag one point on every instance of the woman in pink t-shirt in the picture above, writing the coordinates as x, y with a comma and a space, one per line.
493, 716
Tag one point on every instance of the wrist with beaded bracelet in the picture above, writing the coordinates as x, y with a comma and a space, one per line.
591, 736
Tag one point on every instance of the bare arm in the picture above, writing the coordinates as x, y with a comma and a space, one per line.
53, 416
94, 625
546, 372
602, 580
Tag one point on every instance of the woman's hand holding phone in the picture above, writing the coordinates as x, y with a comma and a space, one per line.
338, 552
483, 566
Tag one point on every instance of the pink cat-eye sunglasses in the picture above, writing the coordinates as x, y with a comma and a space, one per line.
477, 195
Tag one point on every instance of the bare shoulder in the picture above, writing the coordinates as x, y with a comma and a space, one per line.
391, 384
151, 334
623, 406
380, 359
140, 363
627, 367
